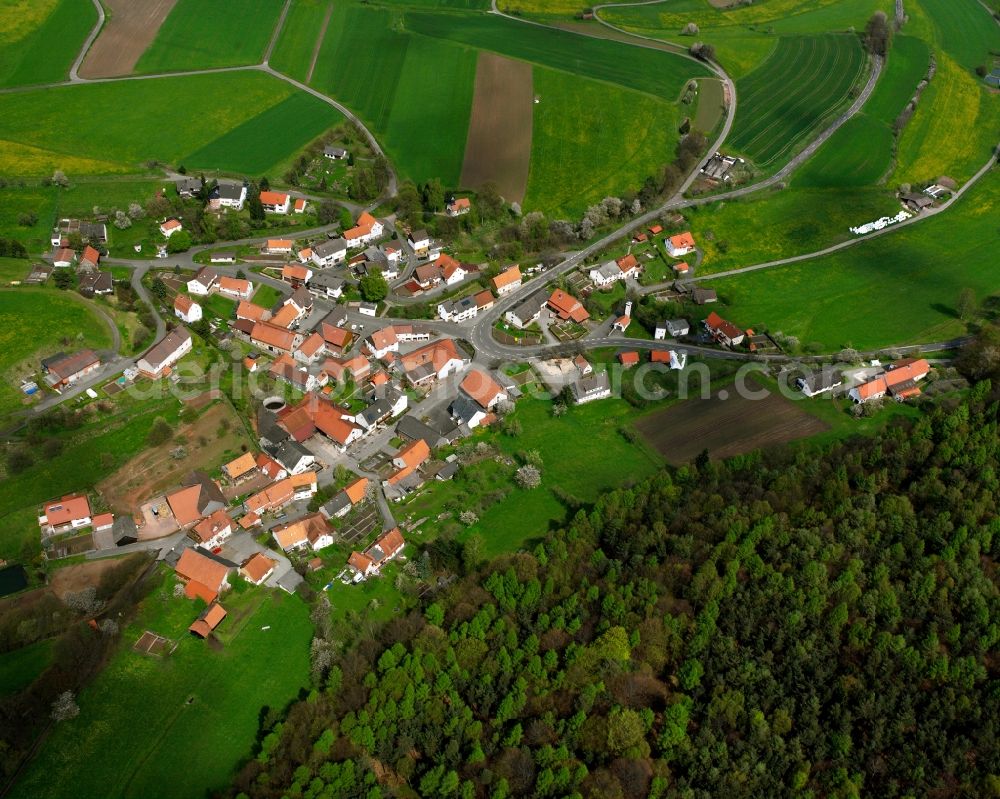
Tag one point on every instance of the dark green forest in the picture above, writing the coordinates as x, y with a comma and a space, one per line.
811, 622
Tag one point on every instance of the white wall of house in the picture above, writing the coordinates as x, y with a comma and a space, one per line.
193, 315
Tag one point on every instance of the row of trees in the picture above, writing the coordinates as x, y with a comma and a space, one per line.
807, 622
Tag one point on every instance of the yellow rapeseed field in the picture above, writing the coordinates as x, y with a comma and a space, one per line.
17, 158
18, 18
951, 131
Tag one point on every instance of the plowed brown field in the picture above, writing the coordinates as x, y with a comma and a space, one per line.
130, 28
498, 147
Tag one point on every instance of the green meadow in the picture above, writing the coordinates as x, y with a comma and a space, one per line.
39, 200
578, 157
58, 321
955, 125
898, 288
180, 724
164, 119
963, 29
294, 50
200, 35
252, 146
583, 453
779, 224
430, 115
19, 668
744, 35
648, 70
50, 203
42, 43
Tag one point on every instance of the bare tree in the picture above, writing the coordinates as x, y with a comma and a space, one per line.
85, 601
877, 34
528, 476
320, 659
65, 707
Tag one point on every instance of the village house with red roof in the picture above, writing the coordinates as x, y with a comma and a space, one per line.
365, 230
679, 245
459, 206
898, 381
723, 331
567, 307
385, 548
186, 309
275, 202
68, 513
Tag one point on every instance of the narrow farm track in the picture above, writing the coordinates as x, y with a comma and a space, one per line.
278, 27
319, 43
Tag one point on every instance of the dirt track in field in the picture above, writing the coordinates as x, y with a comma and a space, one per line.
726, 427
131, 27
319, 43
498, 147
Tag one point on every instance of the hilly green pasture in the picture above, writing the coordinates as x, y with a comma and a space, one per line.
802, 86
963, 29
40, 40
744, 35
454, 5
200, 35
58, 320
895, 289
50, 202
293, 52
19, 668
199, 706
578, 157
166, 119
771, 225
956, 124
860, 152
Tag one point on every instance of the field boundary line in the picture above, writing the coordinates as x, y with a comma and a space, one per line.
74, 71
278, 28
319, 43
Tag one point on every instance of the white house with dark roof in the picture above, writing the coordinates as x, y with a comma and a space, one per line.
230, 195
329, 252
202, 283
170, 349
419, 242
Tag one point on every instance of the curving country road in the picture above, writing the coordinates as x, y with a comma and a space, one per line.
74, 71
479, 331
